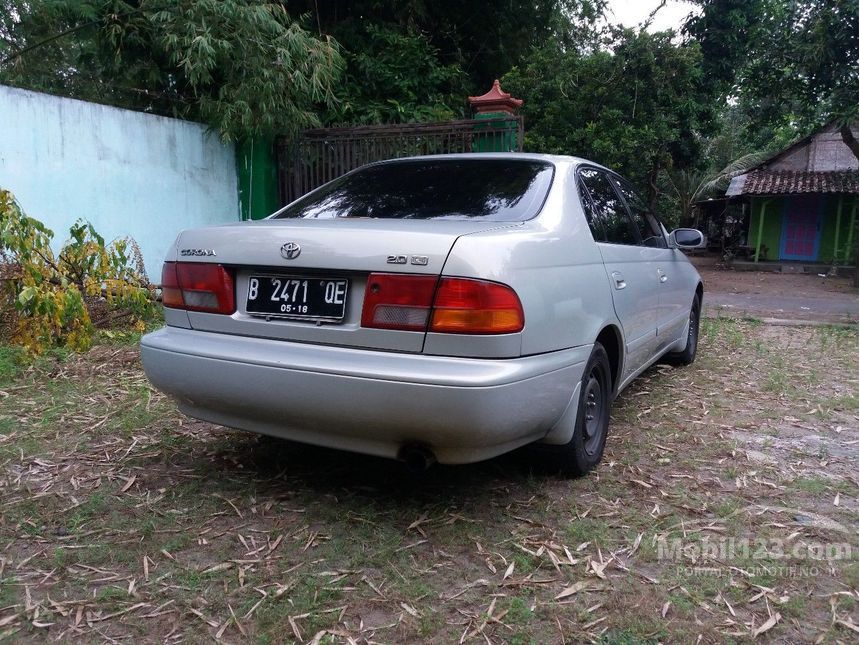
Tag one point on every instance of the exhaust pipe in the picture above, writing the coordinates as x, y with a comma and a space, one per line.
417, 458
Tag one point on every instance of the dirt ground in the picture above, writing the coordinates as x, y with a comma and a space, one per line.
775, 295
721, 279
725, 510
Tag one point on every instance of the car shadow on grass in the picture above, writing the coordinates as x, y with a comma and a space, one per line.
325, 470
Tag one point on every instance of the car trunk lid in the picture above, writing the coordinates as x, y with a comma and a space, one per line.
320, 254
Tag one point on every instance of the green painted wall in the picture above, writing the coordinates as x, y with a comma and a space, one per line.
772, 229
846, 254
257, 172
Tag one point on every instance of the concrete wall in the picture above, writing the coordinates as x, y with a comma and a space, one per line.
129, 173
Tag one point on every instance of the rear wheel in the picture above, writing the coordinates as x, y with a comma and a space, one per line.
585, 449
688, 354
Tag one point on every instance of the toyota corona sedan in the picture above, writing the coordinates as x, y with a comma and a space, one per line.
447, 308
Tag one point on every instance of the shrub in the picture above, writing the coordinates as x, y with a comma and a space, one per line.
60, 300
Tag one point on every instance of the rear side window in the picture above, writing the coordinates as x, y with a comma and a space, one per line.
597, 231
647, 224
609, 208
500, 190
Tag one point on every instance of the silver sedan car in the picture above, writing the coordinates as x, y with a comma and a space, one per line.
447, 308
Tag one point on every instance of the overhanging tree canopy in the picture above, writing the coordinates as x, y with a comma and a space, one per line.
635, 106
243, 66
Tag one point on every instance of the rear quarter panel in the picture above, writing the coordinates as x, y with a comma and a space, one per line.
553, 264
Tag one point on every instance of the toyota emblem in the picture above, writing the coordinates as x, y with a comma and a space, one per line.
291, 250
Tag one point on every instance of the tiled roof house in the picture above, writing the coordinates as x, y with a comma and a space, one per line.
803, 201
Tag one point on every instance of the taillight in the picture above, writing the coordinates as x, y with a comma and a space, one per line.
198, 286
396, 301
171, 294
447, 305
464, 306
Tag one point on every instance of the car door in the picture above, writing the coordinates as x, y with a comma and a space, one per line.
629, 266
674, 298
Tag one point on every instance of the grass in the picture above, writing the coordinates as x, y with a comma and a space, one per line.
106, 488
11, 361
814, 485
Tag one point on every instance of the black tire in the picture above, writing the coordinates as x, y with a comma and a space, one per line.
585, 449
688, 355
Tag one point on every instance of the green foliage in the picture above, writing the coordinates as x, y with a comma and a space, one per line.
483, 38
243, 66
725, 30
803, 62
634, 106
55, 296
395, 77
247, 68
787, 66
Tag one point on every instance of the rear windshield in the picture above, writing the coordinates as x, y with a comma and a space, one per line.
499, 190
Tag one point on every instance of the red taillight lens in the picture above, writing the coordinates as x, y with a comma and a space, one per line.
464, 306
395, 301
198, 286
449, 305
171, 294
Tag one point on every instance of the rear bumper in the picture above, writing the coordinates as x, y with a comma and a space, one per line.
373, 402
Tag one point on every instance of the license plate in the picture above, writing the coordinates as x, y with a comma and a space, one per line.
297, 297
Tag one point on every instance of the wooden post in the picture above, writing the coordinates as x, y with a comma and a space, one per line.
838, 226
760, 227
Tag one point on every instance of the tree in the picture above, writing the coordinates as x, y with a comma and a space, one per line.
786, 64
243, 66
483, 38
419, 60
806, 59
393, 77
635, 106
725, 31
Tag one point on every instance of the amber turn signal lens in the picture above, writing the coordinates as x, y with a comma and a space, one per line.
466, 306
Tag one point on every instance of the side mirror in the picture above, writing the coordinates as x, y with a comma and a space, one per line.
688, 238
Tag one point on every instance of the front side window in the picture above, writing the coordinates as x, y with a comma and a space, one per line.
499, 190
609, 208
647, 224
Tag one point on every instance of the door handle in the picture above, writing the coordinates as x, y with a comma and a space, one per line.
620, 283
663, 276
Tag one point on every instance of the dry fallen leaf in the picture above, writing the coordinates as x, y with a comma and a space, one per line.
410, 609
572, 589
218, 567
128, 483
767, 625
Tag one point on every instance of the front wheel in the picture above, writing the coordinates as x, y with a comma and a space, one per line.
585, 449
688, 354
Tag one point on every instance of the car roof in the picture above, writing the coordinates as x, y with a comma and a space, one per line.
553, 159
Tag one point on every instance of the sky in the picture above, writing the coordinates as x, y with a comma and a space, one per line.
632, 12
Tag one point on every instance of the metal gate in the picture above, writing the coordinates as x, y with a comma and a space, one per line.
318, 156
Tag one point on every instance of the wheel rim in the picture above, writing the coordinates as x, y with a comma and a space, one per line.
693, 333
595, 409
